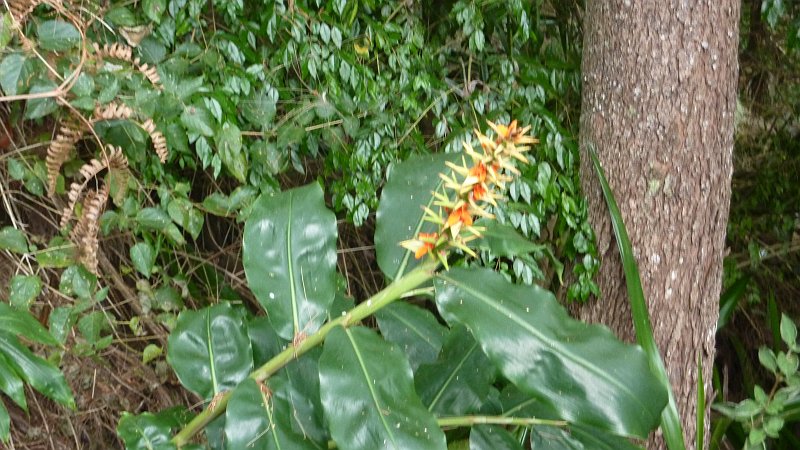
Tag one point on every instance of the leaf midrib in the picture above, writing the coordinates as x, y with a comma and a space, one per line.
452, 376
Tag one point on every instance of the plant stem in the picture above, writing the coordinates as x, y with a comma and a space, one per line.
380, 300
468, 421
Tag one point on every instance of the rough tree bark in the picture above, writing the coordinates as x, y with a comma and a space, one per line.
659, 95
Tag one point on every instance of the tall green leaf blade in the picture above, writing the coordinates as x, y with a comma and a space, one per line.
210, 350
5, 423
399, 215
582, 371
289, 254
413, 329
492, 437
459, 381
368, 395
670, 419
40, 374
11, 384
261, 419
23, 323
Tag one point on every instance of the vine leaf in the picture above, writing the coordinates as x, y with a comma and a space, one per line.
210, 350
581, 371
290, 258
400, 213
368, 395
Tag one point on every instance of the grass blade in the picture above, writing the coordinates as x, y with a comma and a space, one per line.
670, 419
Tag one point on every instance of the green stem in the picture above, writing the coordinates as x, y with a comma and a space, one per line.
468, 421
383, 298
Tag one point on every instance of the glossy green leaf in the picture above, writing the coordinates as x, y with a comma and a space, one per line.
504, 241
11, 384
458, 382
37, 108
23, 290
492, 437
301, 392
183, 212
583, 371
229, 146
23, 323
153, 9
368, 395
261, 419
10, 70
400, 213
260, 110
210, 350
13, 240
729, 299
58, 35
198, 120
150, 431
670, 419
289, 255
415, 330
40, 374
143, 258
153, 218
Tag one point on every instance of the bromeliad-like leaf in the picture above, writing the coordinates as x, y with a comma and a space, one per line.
413, 329
260, 418
582, 371
40, 374
210, 350
368, 395
23, 323
459, 381
11, 384
400, 213
290, 258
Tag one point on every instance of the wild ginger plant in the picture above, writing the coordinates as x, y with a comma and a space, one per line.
502, 361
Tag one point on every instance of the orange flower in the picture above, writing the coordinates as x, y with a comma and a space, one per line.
478, 192
459, 215
428, 241
479, 172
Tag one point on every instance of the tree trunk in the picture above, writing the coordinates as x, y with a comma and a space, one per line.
659, 95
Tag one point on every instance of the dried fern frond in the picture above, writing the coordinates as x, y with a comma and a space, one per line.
125, 53
112, 111
58, 152
159, 141
84, 235
115, 160
20, 9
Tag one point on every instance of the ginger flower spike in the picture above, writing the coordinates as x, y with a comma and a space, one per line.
469, 189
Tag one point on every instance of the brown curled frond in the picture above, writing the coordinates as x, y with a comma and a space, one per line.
21, 9
69, 133
125, 53
84, 235
112, 111
114, 160
159, 141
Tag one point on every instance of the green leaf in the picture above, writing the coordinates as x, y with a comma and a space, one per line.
92, 325
582, 371
23, 290
37, 108
59, 254
210, 350
289, 255
143, 258
57, 35
78, 282
492, 437
576, 438
458, 382
153, 218
145, 431
183, 212
290, 135
5, 423
256, 420
23, 323
788, 330
670, 419
10, 70
400, 213
13, 240
6, 29
198, 120
413, 329
11, 384
153, 9
229, 145
260, 110
151, 352
730, 299
40, 374
504, 241
368, 396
